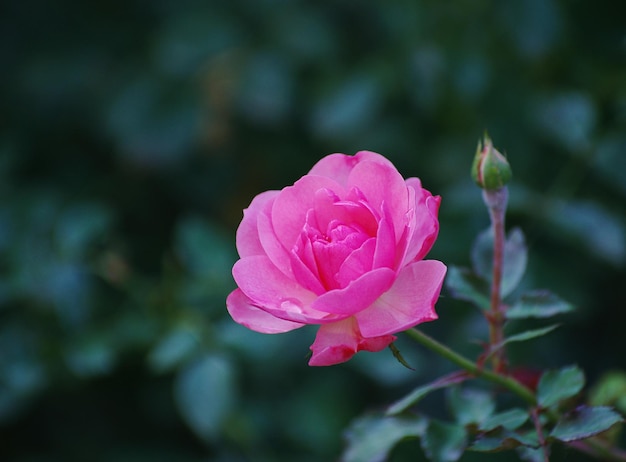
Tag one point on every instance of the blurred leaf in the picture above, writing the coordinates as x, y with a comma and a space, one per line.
177, 346
538, 304
417, 394
610, 389
470, 405
80, 225
556, 385
371, 438
585, 421
530, 454
266, 93
349, 109
204, 251
515, 259
567, 118
205, 394
91, 356
465, 285
598, 229
443, 442
510, 420
610, 161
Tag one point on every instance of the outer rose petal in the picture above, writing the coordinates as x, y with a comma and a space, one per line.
409, 302
247, 239
339, 166
426, 225
277, 294
337, 342
242, 311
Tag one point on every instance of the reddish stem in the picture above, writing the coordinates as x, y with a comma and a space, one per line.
496, 201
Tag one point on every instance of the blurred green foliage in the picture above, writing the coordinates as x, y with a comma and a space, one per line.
132, 135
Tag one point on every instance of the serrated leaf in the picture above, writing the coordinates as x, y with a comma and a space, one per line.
465, 285
371, 438
585, 421
503, 440
538, 304
530, 334
515, 258
412, 398
470, 406
522, 337
444, 442
510, 420
204, 393
557, 385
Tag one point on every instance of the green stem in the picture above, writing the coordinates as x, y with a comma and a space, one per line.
503, 380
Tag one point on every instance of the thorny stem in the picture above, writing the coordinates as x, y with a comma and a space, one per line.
496, 201
591, 446
504, 381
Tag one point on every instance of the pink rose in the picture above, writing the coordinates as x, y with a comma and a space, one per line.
341, 248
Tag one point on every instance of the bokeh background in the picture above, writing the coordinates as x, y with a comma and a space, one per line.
133, 133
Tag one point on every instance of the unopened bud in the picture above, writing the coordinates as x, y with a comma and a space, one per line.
490, 169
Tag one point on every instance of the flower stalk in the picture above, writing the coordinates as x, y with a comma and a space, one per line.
491, 171
474, 369
496, 201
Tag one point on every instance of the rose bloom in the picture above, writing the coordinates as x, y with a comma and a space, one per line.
342, 248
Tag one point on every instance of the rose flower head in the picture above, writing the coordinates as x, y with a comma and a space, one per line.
342, 248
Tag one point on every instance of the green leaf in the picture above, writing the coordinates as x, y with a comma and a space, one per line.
503, 439
585, 421
515, 258
538, 304
470, 406
371, 438
465, 285
417, 394
204, 393
443, 442
557, 385
530, 454
530, 334
610, 390
510, 420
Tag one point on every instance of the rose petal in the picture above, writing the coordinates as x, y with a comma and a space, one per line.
247, 237
385, 254
271, 246
269, 288
242, 311
290, 207
358, 263
337, 342
425, 225
410, 300
358, 295
338, 166
381, 183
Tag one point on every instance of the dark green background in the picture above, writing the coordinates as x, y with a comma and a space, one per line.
133, 133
